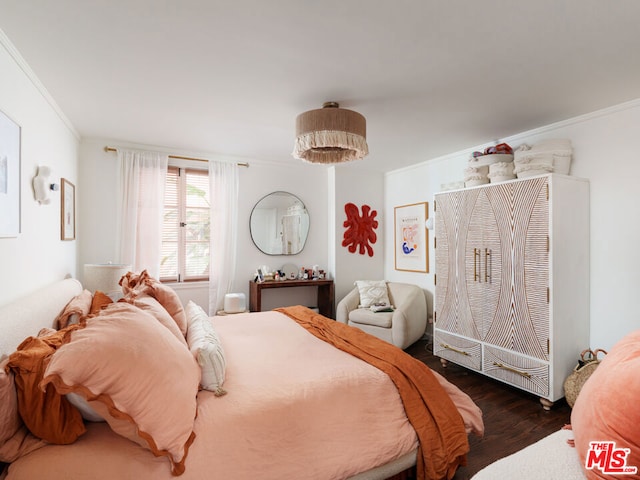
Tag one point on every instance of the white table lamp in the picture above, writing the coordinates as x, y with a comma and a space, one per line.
104, 277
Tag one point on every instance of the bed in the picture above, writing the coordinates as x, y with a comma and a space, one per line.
293, 404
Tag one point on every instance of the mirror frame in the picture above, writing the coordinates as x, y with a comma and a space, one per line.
294, 199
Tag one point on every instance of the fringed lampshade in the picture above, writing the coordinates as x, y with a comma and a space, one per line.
330, 135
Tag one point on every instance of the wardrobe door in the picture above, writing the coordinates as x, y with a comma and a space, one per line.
485, 294
521, 319
452, 306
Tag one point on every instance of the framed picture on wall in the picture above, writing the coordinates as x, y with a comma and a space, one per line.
9, 177
68, 210
411, 248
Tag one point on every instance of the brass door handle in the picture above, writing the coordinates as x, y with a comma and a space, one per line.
476, 262
488, 262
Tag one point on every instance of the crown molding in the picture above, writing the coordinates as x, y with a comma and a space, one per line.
520, 137
33, 78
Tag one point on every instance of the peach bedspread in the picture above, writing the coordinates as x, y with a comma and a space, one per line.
296, 408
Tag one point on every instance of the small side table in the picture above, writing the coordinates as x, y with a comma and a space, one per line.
325, 293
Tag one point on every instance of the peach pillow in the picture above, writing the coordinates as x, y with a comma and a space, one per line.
134, 285
77, 308
138, 376
46, 413
607, 409
170, 301
152, 306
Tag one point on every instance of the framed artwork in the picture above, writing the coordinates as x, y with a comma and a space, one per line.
68, 210
9, 177
411, 241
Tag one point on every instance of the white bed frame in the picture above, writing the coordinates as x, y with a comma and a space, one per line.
27, 315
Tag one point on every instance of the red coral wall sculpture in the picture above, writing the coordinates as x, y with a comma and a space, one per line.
359, 233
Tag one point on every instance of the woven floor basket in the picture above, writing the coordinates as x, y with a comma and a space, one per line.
586, 366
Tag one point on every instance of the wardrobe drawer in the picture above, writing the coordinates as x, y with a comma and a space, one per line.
457, 349
514, 369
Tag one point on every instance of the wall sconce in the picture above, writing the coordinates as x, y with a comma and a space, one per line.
42, 187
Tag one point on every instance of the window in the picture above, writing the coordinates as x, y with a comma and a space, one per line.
185, 230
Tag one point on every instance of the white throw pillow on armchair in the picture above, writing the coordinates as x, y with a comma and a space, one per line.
372, 292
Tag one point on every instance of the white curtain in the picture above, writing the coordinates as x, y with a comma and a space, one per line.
142, 177
223, 181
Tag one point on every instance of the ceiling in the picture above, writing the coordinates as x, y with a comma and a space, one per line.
431, 76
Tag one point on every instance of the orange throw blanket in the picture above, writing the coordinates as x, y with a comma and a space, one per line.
438, 424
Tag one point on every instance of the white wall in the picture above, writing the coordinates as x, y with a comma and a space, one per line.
350, 185
606, 149
37, 257
98, 181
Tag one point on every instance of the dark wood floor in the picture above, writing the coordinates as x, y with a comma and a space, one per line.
513, 419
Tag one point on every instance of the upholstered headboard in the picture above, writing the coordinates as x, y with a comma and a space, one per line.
27, 315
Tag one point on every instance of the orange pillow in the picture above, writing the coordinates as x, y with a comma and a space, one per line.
606, 409
99, 301
47, 414
137, 375
10, 421
15, 439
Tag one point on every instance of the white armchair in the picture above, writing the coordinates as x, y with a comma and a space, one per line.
402, 327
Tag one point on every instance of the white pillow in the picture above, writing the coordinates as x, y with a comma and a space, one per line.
372, 292
205, 346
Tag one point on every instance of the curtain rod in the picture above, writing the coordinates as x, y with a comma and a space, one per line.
179, 157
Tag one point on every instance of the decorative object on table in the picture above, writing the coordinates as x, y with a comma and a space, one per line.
290, 271
235, 303
330, 135
411, 248
587, 364
9, 177
68, 211
360, 229
545, 157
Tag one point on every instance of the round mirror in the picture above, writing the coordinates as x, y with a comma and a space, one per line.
279, 224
